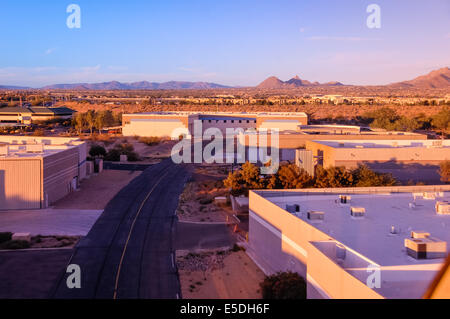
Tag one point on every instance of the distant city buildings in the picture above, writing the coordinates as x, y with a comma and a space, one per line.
28, 115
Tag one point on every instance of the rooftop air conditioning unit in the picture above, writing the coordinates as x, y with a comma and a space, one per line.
426, 248
431, 196
316, 216
417, 234
357, 212
443, 208
4, 150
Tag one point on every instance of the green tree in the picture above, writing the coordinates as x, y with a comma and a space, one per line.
444, 171
90, 120
79, 122
97, 151
365, 177
284, 285
292, 177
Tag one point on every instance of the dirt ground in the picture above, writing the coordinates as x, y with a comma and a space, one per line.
148, 154
219, 275
197, 200
96, 191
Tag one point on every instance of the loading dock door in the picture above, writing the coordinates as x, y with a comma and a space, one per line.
20, 184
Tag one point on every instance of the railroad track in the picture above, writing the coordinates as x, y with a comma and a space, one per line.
166, 171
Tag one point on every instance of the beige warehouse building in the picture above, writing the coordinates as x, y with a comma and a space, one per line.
416, 160
164, 124
351, 153
37, 171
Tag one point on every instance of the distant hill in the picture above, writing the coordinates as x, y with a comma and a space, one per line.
275, 83
11, 87
437, 79
143, 85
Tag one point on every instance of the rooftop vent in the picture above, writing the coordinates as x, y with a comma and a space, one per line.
316, 216
358, 212
293, 208
341, 144
425, 247
344, 199
443, 208
35, 148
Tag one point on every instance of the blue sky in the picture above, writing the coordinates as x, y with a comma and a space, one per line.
233, 42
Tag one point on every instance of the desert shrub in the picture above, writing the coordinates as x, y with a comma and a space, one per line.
284, 285
441, 120
97, 151
150, 141
39, 132
4, 237
205, 201
15, 244
113, 155
122, 149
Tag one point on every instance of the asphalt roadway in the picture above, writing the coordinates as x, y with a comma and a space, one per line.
129, 252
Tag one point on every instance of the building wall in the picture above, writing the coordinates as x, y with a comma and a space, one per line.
300, 119
224, 124
60, 170
20, 184
152, 127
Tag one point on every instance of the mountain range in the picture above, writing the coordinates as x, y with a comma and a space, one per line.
143, 85
275, 83
439, 79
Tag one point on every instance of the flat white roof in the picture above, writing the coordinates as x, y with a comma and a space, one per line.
261, 114
17, 146
371, 236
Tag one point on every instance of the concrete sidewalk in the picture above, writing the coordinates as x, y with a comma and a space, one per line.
47, 222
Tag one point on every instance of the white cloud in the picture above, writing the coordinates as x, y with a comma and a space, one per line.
49, 51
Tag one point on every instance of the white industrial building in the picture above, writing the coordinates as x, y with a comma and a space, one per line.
37, 171
381, 242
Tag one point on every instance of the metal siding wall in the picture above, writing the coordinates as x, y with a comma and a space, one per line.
304, 159
59, 171
20, 184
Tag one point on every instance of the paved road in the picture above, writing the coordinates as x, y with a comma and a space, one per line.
147, 268
48, 222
